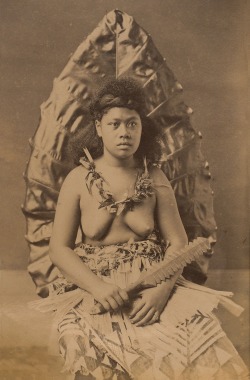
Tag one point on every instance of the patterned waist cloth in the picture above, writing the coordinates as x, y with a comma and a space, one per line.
103, 259
106, 260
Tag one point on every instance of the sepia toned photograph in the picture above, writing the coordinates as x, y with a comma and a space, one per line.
124, 190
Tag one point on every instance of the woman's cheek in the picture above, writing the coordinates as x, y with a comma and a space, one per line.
138, 137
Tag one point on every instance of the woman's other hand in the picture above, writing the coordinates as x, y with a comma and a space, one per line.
110, 296
148, 307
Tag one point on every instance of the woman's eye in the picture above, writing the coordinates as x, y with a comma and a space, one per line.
132, 124
114, 124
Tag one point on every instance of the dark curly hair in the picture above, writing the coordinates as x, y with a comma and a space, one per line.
123, 92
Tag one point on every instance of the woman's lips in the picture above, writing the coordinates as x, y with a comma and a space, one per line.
124, 144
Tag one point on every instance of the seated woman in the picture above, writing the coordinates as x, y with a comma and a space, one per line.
126, 210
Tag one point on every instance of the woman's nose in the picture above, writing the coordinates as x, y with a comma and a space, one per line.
124, 130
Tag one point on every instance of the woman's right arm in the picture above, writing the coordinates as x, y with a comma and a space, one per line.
62, 243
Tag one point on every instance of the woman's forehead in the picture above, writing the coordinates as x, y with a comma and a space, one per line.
121, 113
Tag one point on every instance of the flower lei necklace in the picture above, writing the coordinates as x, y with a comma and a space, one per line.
143, 187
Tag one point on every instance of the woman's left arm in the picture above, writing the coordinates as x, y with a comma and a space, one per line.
148, 308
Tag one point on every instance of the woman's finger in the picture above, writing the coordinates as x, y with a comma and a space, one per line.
114, 305
119, 300
141, 314
147, 318
138, 306
124, 295
106, 305
155, 318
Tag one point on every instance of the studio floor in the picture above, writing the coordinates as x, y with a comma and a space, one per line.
25, 333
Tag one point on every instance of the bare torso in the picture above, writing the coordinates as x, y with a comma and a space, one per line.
99, 226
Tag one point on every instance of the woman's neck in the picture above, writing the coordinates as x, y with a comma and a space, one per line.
110, 160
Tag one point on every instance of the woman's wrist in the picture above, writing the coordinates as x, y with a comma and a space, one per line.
166, 286
93, 285
169, 283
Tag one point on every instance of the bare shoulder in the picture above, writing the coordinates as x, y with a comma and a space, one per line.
163, 189
74, 180
158, 177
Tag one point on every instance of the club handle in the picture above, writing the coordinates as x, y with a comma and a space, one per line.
132, 289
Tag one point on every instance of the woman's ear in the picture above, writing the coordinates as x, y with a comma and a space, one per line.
98, 128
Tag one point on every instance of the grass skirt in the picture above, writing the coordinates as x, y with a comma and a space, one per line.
187, 343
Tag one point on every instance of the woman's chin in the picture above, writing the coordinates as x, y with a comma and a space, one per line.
121, 152
124, 153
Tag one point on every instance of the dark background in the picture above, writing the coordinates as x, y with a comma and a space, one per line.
205, 44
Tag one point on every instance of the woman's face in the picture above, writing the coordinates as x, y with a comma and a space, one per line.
120, 130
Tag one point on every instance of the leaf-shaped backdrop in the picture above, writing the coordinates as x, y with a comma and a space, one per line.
117, 47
